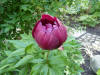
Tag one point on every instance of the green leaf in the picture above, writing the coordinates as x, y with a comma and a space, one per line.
24, 71
1, 9
3, 1
96, 14
44, 70
39, 60
36, 69
51, 72
8, 52
98, 72
84, 17
12, 57
24, 7
6, 69
18, 52
17, 43
26, 59
29, 49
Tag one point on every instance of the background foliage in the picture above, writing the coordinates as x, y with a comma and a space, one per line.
19, 16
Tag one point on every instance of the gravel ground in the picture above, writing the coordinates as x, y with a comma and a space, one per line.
95, 51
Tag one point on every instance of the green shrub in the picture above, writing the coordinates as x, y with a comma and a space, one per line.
89, 20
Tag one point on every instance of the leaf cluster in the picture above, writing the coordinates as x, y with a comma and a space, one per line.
24, 57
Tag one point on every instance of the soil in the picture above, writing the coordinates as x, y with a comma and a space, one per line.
95, 30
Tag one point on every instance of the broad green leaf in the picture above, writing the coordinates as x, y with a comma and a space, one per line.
24, 71
96, 14
8, 52
29, 49
84, 17
37, 60
18, 52
37, 66
6, 68
56, 60
51, 72
26, 59
44, 70
3, 1
36, 69
17, 43
9, 60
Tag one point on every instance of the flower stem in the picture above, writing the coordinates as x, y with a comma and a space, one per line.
47, 56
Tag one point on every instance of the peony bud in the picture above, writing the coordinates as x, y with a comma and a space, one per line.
49, 32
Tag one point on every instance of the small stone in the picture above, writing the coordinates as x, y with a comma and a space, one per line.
95, 63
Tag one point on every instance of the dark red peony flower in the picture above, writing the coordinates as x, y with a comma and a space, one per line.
49, 32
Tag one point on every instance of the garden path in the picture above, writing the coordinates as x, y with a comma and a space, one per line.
89, 37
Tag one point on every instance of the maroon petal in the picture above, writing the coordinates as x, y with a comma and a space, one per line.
38, 37
53, 42
45, 40
58, 21
49, 42
63, 31
35, 28
48, 17
39, 28
61, 34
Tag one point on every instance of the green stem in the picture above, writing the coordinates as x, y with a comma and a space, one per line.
47, 56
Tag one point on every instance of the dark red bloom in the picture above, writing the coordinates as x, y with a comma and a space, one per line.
49, 32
